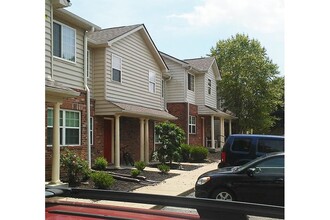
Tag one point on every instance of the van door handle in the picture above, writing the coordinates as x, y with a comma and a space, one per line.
279, 180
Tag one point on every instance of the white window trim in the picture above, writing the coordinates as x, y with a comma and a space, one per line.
75, 43
121, 69
152, 82
64, 127
191, 125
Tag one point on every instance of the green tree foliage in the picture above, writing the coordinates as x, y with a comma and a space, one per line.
171, 137
250, 85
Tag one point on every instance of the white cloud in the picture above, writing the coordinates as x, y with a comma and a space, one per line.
260, 15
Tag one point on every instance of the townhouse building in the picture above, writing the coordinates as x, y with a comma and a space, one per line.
106, 89
191, 96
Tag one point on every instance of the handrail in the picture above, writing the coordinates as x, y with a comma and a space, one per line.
213, 208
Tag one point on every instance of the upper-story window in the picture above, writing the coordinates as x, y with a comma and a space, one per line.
152, 81
116, 68
64, 42
209, 86
191, 82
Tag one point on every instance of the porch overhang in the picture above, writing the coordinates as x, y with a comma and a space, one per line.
206, 110
130, 110
57, 92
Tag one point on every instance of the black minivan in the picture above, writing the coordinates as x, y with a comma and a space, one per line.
241, 148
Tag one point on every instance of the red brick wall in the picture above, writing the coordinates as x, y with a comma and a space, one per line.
180, 111
77, 104
196, 139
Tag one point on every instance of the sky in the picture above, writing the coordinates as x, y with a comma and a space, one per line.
190, 28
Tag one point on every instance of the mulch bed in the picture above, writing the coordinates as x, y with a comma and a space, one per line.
155, 176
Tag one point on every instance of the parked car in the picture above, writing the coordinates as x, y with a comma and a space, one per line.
258, 181
241, 148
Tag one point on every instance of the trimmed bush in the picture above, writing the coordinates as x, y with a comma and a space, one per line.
102, 180
164, 169
135, 172
185, 152
100, 163
140, 165
198, 153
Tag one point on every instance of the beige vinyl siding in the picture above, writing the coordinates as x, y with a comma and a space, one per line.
137, 60
69, 73
175, 88
48, 41
210, 100
91, 75
101, 106
200, 89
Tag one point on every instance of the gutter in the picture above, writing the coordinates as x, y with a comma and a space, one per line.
88, 103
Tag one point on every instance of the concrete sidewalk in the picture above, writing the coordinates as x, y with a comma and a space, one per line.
178, 185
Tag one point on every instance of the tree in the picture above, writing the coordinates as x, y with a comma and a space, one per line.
250, 86
171, 137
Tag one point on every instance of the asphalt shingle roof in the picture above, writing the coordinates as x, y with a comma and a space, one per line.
202, 64
105, 35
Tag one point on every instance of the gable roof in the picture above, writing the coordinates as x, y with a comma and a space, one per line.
204, 64
108, 36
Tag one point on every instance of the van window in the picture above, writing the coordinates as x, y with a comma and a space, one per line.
270, 145
242, 144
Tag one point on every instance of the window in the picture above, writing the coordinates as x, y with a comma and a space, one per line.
116, 68
91, 131
242, 144
69, 127
209, 86
64, 42
152, 81
191, 82
270, 145
155, 135
192, 124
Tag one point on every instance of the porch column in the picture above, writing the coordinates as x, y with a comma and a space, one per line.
146, 141
212, 133
229, 126
141, 139
117, 142
56, 145
222, 131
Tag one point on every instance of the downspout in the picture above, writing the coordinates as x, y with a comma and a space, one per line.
89, 158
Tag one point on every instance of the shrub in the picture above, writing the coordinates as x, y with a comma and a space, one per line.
102, 180
185, 152
171, 137
140, 165
198, 153
164, 169
100, 163
135, 172
75, 167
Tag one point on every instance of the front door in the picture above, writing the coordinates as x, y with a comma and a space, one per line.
107, 140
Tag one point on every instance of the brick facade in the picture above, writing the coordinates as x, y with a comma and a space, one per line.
76, 104
180, 110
